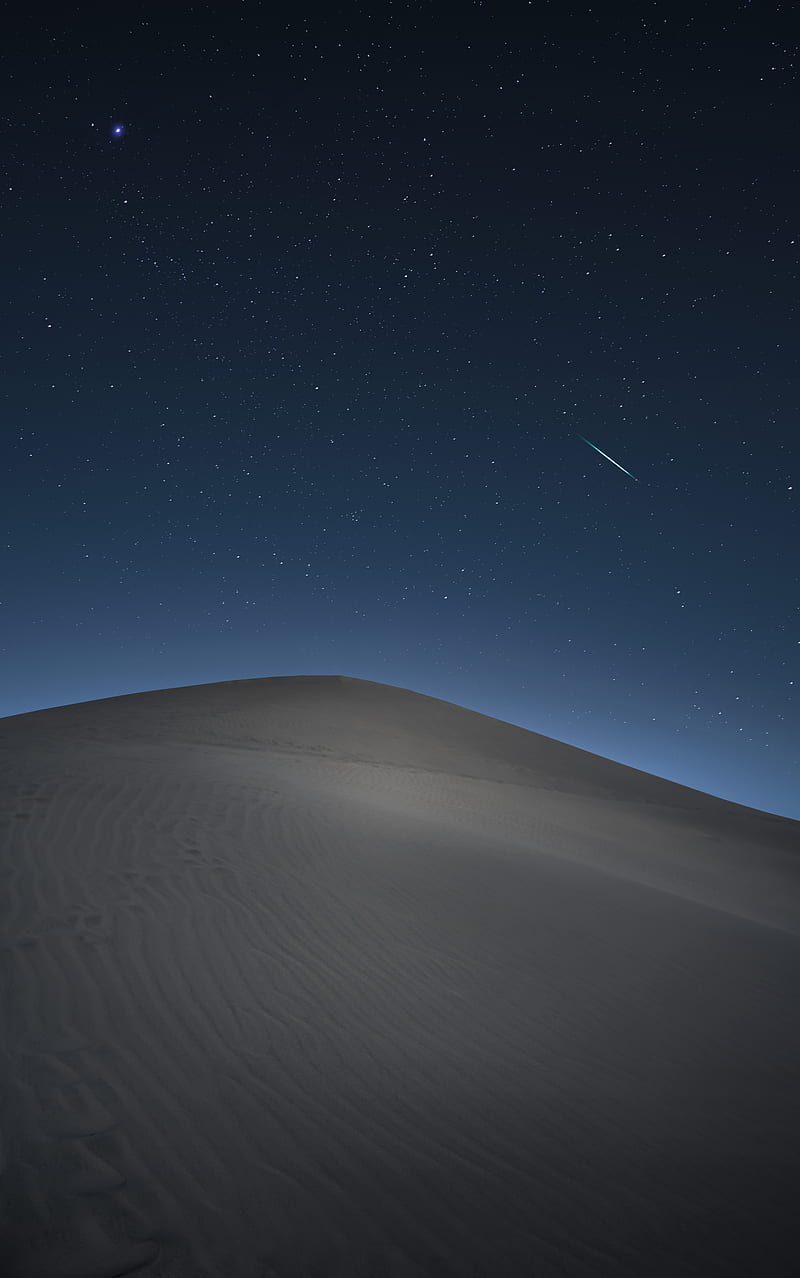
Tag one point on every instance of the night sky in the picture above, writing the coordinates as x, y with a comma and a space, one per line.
308, 314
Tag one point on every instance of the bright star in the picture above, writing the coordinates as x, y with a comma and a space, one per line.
118, 130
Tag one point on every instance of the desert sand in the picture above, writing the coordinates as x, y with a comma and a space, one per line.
312, 976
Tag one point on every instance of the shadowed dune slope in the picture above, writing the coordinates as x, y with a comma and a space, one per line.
317, 976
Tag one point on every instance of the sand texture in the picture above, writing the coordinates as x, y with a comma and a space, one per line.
311, 977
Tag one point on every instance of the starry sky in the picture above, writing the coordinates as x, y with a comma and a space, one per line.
309, 312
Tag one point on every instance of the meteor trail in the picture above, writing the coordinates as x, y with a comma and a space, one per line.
602, 454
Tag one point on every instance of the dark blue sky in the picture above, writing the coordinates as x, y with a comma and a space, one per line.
298, 364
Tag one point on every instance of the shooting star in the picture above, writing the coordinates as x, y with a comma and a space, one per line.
602, 454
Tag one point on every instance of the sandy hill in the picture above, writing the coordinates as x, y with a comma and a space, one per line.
315, 976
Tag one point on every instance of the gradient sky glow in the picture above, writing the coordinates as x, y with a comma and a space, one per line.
300, 362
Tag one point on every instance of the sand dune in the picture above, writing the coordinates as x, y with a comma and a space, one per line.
315, 976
